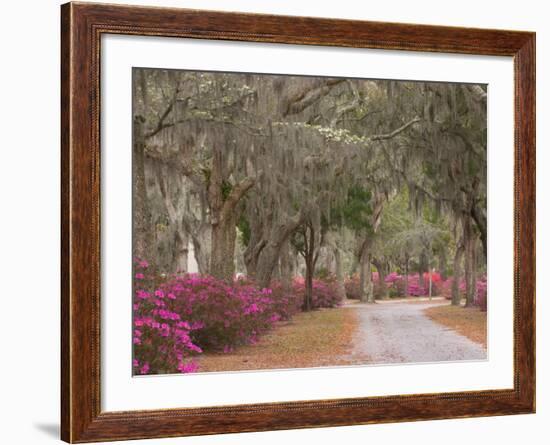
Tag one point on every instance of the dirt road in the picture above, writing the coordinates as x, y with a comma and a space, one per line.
400, 332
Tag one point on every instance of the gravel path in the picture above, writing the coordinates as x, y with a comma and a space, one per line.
402, 333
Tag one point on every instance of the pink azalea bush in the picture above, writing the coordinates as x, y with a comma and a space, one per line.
395, 284
447, 288
161, 337
186, 315
415, 288
228, 315
324, 293
481, 291
286, 302
352, 286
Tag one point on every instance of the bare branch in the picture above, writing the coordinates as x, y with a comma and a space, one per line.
308, 96
383, 137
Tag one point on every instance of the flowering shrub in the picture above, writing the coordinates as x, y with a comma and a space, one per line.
415, 289
481, 291
189, 314
352, 285
161, 337
396, 285
447, 288
286, 302
324, 293
392, 277
225, 315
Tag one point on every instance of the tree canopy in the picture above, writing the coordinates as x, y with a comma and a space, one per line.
264, 174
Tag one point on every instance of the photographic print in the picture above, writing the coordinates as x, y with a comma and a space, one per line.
284, 221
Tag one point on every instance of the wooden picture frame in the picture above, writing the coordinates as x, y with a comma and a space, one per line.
82, 25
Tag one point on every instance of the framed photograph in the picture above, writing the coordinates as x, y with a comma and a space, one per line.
274, 222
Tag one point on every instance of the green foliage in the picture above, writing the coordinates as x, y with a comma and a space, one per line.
405, 236
226, 189
244, 228
206, 172
355, 213
322, 273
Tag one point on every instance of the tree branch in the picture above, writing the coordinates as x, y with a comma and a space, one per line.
307, 96
235, 196
384, 137
160, 124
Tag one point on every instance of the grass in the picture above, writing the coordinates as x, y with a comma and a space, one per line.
470, 322
311, 339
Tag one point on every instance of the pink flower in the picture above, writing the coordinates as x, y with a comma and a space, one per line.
142, 294
144, 369
188, 367
193, 347
140, 276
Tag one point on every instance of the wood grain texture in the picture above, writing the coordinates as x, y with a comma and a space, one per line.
81, 28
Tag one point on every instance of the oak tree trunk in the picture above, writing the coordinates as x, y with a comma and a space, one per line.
143, 230
382, 272
223, 217
222, 264
471, 287
443, 263
422, 268
340, 280
455, 289
468, 264
406, 292
365, 282
269, 255
285, 262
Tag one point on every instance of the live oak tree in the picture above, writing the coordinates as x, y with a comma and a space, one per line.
275, 167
